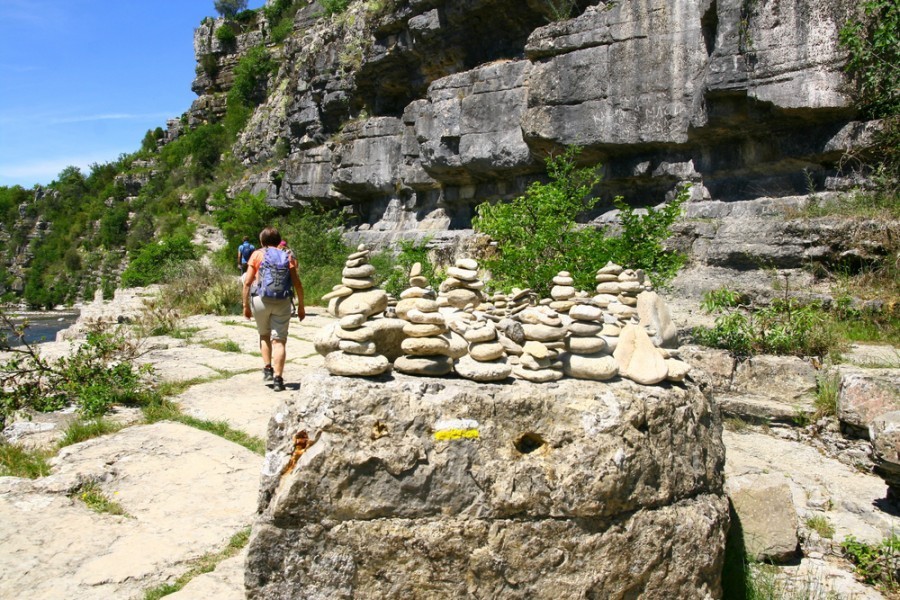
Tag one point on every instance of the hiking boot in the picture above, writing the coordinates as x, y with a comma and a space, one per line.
278, 384
268, 373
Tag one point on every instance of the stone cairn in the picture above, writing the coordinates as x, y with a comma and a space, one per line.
486, 356
462, 288
617, 290
563, 292
587, 354
354, 301
357, 293
427, 345
544, 333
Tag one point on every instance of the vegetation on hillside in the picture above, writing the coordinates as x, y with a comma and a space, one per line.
539, 234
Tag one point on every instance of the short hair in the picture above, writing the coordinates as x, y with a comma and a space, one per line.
246, 238
269, 237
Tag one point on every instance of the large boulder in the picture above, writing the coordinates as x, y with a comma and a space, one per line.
766, 515
866, 394
433, 488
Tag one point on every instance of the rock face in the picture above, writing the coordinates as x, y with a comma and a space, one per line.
766, 515
403, 116
427, 488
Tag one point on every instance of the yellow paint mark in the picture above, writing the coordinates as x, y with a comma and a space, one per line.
456, 434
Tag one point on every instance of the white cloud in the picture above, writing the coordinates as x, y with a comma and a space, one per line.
109, 117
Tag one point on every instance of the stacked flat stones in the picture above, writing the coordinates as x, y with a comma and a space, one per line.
587, 354
486, 356
563, 292
544, 333
427, 346
357, 355
357, 293
462, 289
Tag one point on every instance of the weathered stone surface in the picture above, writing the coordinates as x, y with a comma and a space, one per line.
865, 395
425, 346
785, 379
486, 351
543, 333
657, 503
885, 435
152, 472
765, 514
638, 358
712, 366
585, 345
654, 314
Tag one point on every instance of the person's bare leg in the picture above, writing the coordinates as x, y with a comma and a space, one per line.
278, 356
265, 348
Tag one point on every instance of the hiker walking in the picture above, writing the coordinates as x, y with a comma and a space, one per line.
245, 250
269, 285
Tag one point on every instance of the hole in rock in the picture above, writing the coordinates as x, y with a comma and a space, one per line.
528, 442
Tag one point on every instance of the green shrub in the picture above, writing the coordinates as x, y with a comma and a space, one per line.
229, 8
245, 214
787, 326
226, 37
201, 289
281, 30
828, 385
16, 461
98, 374
876, 564
393, 273
334, 7
316, 238
248, 88
538, 234
154, 262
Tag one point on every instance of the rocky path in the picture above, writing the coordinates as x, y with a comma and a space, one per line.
186, 492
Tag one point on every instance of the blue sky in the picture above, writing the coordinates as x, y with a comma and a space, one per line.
81, 81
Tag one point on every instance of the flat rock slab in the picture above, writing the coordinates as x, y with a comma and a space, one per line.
185, 363
244, 401
186, 493
225, 582
817, 483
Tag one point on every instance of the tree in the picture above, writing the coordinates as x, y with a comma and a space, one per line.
229, 8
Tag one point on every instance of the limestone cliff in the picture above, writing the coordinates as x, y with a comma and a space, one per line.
411, 112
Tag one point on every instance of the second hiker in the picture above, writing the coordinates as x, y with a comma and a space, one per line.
269, 285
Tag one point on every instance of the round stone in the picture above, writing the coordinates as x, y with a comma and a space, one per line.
462, 274
461, 298
361, 348
421, 330
611, 268
451, 283
605, 278
458, 345
361, 254
368, 303
495, 370
628, 275
425, 318
585, 328
630, 287
539, 376
360, 334
536, 349
509, 346
585, 345
486, 351
340, 291
422, 304
598, 367
357, 262
527, 361
358, 284
415, 270
608, 287
433, 366
562, 306
628, 300
485, 333
586, 312
677, 369
543, 333
352, 321
420, 282
355, 365
469, 264
415, 292
425, 346
361, 272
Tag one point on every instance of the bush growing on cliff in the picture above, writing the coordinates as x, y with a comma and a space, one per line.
153, 262
229, 8
334, 7
538, 234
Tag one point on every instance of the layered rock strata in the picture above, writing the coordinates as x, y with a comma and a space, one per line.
426, 488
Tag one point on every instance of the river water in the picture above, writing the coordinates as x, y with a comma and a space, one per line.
43, 325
